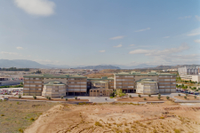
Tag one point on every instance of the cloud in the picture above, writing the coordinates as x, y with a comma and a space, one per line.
197, 17
117, 37
118, 46
19, 48
194, 32
139, 51
185, 17
160, 52
36, 7
9, 53
166, 37
132, 45
143, 30
197, 41
102, 51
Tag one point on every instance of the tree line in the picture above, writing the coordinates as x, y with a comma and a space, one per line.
14, 69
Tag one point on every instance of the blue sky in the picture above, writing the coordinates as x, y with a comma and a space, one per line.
93, 32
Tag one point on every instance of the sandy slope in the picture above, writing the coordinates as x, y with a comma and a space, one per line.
118, 118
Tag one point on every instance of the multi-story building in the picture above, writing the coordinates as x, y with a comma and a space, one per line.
128, 81
189, 73
79, 85
75, 85
189, 70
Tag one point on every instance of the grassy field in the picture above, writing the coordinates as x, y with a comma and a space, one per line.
16, 116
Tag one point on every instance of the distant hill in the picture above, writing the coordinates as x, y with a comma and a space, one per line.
99, 67
20, 64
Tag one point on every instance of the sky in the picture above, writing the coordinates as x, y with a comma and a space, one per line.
94, 32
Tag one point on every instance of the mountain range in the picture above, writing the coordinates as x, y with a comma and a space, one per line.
4, 63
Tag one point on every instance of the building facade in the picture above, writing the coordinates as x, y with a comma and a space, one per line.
127, 81
189, 70
75, 85
101, 86
189, 73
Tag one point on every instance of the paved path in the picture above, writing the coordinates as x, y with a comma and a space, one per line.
101, 99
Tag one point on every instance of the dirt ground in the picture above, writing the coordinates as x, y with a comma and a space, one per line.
115, 118
189, 97
15, 116
141, 99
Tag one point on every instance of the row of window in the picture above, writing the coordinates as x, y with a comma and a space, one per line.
33, 82
167, 76
55, 90
76, 85
126, 83
125, 86
33, 85
161, 83
56, 87
33, 78
124, 80
32, 89
167, 79
164, 86
78, 90
77, 82
124, 76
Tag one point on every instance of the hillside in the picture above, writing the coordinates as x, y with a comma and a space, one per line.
20, 64
100, 67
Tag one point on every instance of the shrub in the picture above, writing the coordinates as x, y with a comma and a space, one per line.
34, 97
18, 103
2, 115
21, 130
75, 98
127, 130
149, 95
49, 98
177, 131
19, 96
61, 97
162, 117
159, 97
130, 96
98, 124
32, 119
185, 97
186, 94
179, 95
139, 95
195, 97
167, 97
145, 99
66, 99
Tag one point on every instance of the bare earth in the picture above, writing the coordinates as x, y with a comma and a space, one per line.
141, 99
112, 118
188, 98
